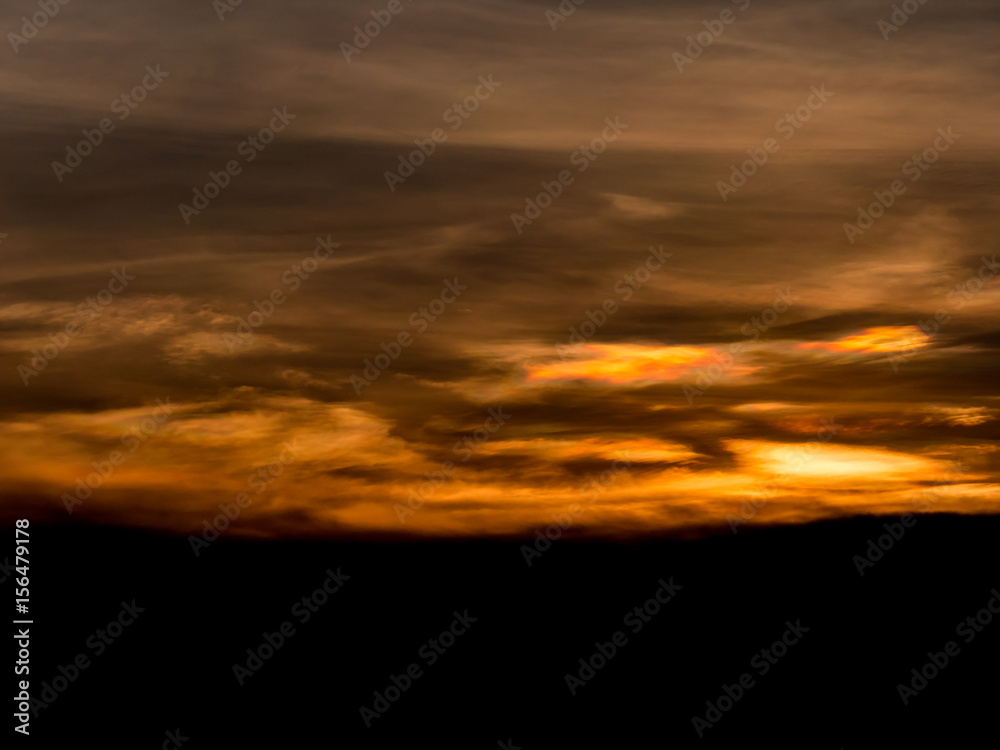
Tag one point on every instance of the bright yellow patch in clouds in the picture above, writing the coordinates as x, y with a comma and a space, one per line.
624, 363
878, 339
834, 465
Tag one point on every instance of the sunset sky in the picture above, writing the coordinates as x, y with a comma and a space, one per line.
648, 348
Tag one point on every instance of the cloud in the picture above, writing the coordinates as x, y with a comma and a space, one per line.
513, 339
874, 340
634, 207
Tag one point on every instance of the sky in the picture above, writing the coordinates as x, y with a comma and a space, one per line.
622, 268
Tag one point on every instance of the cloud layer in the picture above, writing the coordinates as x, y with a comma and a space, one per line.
666, 350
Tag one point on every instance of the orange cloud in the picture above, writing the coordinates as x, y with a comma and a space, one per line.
634, 449
767, 406
871, 340
624, 363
